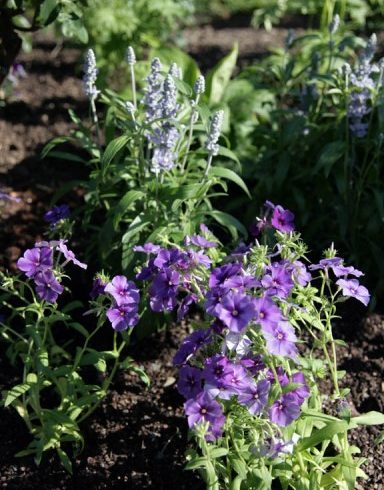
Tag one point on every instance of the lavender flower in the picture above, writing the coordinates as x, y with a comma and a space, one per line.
199, 86
214, 133
152, 91
131, 57
90, 75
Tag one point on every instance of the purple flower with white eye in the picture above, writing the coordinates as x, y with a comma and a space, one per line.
191, 344
123, 316
189, 383
163, 290
148, 248
35, 260
236, 310
283, 219
285, 410
123, 291
255, 396
278, 281
57, 213
47, 287
267, 313
281, 339
352, 288
235, 380
98, 288
69, 255
204, 408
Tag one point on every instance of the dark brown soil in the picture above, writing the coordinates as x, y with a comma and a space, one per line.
138, 436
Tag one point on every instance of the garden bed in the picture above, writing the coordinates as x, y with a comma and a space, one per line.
137, 438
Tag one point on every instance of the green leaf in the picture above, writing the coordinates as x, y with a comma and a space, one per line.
229, 222
324, 434
15, 392
218, 78
331, 153
370, 418
196, 463
125, 202
240, 467
112, 150
218, 452
228, 174
49, 11
65, 460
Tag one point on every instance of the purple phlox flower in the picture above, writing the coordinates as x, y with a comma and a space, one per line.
283, 219
35, 260
242, 282
217, 326
213, 300
235, 380
277, 281
184, 306
266, 311
258, 226
281, 339
203, 408
189, 383
277, 447
281, 376
300, 273
51, 244
163, 290
123, 316
285, 410
167, 257
123, 291
148, 248
69, 255
253, 364
47, 287
301, 392
147, 272
342, 271
326, 263
198, 258
352, 288
221, 274
238, 343
214, 369
57, 213
236, 310
255, 396
98, 288
199, 241
191, 344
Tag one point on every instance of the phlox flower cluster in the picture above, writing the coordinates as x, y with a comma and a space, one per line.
38, 264
248, 355
161, 107
362, 85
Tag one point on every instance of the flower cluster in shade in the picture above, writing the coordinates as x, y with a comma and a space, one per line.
57, 213
38, 264
161, 108
362, 84
242, 355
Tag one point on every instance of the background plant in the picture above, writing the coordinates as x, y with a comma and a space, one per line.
151, 171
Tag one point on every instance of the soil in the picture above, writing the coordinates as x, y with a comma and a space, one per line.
138, 436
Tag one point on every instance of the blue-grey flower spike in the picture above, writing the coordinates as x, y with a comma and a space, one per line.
90, 75
175, 71
199, 87
131, 57
334, 25
214, 133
